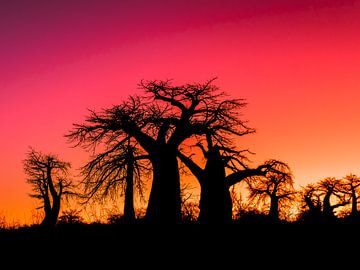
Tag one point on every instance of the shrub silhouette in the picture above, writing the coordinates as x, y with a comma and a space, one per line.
70, 217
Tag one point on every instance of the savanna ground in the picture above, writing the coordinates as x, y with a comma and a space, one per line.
106, 246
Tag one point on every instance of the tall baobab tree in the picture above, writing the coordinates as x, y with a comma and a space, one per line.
160, 121
48, 176
113, 173
275, 187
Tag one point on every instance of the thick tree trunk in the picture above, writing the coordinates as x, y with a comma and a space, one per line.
310, 204
327, 209
354, 203
215, 204
129, 211
165, 202
274, 208
215, 201
46, 222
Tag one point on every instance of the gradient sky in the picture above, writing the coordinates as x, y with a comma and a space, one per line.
296, 62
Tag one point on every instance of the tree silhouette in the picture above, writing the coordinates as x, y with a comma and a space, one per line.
111, 172
215, 201
48, 176
277, 187
331, 188
350, 185
215, 198
160, 121
312, 203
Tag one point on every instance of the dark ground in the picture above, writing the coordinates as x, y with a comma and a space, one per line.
217, 247
189, 235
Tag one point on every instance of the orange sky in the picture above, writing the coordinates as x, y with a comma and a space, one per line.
297, 64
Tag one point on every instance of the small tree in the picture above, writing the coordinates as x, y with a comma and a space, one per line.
350, 185
332, 196
311, 203
275, 188
113, 173
48, 176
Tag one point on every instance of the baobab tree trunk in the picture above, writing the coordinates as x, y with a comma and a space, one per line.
129, 211
314, 208
165, 202
310, 204
274, 208
215, 204
215, 201
354, 203
327, 209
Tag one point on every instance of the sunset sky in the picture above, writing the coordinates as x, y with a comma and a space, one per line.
297, 63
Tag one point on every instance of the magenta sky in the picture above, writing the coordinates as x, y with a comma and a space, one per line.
296, 62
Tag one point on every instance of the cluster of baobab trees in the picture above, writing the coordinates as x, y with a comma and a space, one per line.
323, 198
151, 135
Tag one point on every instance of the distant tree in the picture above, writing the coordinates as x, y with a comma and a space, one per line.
160, 121
311, 208
330, 190
115, 172
350, 185
189, 208
48, 176
275, 188
190, 212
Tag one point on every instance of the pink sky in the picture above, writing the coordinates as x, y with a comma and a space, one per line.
296, 62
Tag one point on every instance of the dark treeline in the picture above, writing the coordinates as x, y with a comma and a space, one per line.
170, 130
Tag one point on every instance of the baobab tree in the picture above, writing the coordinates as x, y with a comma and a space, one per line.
113, 173
332, 196
48, 176
215, 198
160, 121
275, 187
312, 203
350, 185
